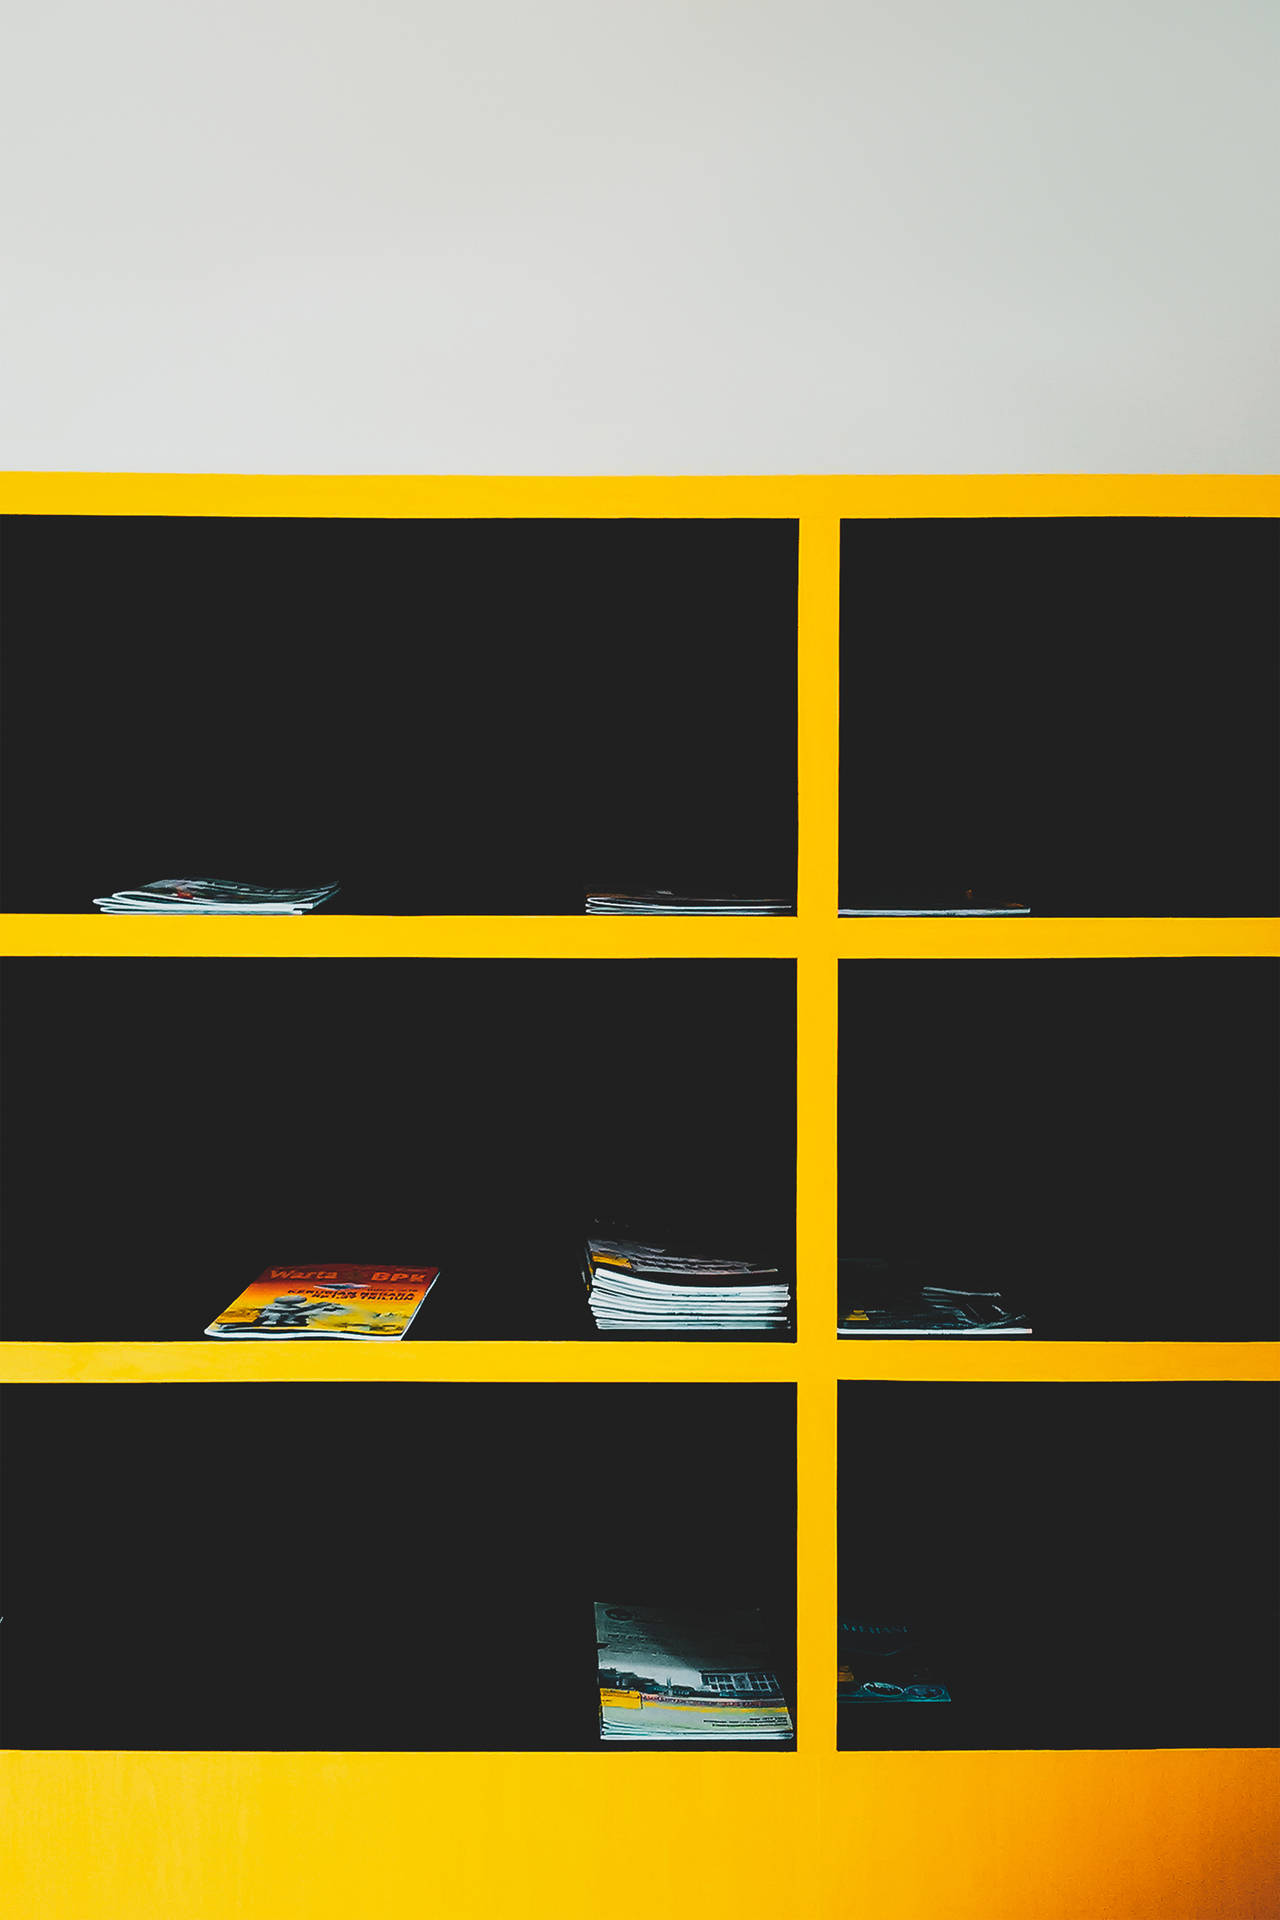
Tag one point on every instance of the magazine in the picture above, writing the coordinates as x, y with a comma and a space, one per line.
929, 913
215, 896
639, 1288
899, 1299
965, 906
327, 1303
686, 1673
879, 1664
660, 902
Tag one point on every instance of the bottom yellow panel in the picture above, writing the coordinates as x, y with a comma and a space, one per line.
1030, 1836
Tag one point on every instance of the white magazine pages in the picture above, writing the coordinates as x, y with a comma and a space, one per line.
686, 1673
215, 896
639, 1288
683, 903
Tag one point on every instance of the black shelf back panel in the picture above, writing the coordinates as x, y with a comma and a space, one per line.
444, 716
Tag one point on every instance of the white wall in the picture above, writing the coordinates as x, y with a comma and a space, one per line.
576, 236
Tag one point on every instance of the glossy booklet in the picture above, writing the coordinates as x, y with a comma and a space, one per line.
327, 1303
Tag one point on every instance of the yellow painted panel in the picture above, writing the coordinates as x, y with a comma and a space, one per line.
782, 496
618, 1836
813, 1360
533, 936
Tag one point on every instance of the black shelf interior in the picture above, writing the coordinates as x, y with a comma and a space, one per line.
396, 1568
173, 1127
444, 716
1076, 714
1087, 1565
1097, 1139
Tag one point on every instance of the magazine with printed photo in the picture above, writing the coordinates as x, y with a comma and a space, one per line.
686, 1673
327, 1303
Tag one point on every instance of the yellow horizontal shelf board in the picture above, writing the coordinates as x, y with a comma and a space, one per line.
86, 1362
1031, 1359
810, 1361
468, 496
500, 936
1030, 938
392, 936
729, 1836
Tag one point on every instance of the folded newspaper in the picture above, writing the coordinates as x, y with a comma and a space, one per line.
879, 1663
215, 896
327, 1303
644, 1289
683, 1673
891, 1298
683, 903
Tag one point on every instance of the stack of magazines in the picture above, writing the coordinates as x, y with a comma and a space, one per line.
661, 902
681, 1673
215, 896
643, 1289
898, 1298
326, 1303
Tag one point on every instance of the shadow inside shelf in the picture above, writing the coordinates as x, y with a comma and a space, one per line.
392, 1568
175, 1127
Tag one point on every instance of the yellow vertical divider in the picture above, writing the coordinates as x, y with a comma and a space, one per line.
816, 987
818, 726
815, 1355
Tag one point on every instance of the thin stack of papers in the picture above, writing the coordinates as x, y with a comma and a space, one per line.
327, 1303
888, 1298
678, 1673
880, 1664
660, 902
968, 906
215, 896
641, 1289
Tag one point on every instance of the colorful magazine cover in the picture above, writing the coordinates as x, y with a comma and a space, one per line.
327, 1303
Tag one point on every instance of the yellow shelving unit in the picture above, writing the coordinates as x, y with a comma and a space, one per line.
619, 1836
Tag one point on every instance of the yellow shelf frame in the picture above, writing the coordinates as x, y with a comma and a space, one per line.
815, 1834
